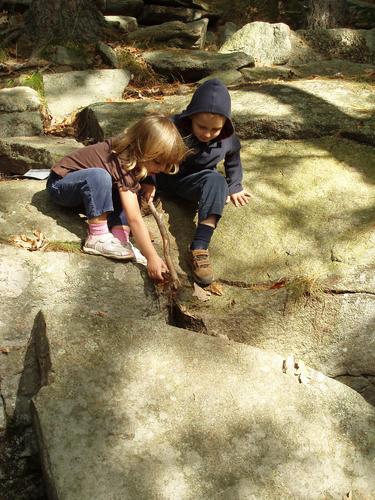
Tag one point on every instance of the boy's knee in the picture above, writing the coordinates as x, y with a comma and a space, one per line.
218, 181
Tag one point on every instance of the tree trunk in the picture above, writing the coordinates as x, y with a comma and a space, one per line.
326, 13
61, 21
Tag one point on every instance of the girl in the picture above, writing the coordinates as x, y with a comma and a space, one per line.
105, 177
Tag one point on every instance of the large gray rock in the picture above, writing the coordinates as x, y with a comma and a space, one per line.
107, 54
103, 120
172, 34
125, 23
266, 43
23, 124
67, 92
19, 99
151, 411
194, 65
74, 57
19, 154
344, 43
297, 109
20, 112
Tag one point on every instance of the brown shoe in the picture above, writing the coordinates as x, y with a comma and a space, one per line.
201, 266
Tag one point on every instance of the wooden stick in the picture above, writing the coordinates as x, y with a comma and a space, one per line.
166, 245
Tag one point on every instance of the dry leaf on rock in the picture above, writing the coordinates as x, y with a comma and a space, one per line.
4, 350
32, 244
215, 288
200, 293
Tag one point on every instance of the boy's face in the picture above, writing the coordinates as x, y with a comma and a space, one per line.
207, 126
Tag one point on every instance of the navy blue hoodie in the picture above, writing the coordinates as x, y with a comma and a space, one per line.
211, 97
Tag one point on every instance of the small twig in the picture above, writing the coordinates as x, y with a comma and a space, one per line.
166, 246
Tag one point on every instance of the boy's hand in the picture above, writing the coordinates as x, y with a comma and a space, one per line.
239, 199
148, 192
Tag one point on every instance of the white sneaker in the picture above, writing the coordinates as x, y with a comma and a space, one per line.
108, 246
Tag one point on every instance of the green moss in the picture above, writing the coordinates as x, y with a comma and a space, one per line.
63, 246
34, 81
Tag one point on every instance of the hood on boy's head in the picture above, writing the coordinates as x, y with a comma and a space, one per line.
211, 97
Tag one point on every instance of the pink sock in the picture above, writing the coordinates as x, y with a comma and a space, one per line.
98, 228
121, 234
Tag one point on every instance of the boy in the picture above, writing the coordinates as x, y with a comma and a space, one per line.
207, 129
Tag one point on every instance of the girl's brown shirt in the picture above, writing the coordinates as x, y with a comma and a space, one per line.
98, 155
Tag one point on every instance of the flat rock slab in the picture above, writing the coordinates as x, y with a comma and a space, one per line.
25, 206
311, 213
192, 65
338, 68
67, 92
172, 34
151, 411
86, 286
20, 154
329, 327
297, 109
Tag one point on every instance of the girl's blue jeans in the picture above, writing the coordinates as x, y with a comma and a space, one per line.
93, 188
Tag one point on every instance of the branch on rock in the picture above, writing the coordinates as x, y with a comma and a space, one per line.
166, 246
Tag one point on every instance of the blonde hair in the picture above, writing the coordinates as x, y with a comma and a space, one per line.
153, 137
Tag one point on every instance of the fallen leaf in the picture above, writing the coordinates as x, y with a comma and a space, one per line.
215, 288
31, 244
200, 293
4, 350
102, 314
278, 284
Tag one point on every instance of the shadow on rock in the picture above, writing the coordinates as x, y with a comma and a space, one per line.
68, 218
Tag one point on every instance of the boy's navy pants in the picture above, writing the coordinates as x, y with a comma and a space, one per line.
91, 188
207, 187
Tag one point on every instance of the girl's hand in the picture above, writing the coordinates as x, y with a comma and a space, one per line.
156, 267
148, 192
239, 199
